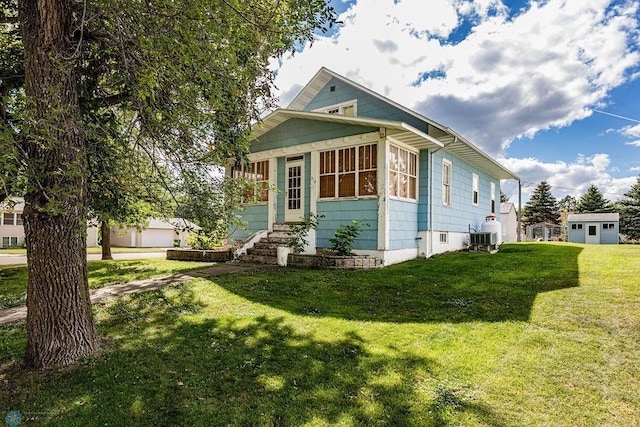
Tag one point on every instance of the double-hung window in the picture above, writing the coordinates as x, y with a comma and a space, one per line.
257, 176
403, 173
8, 218
446, 182
349, 172
493, 197
475, 195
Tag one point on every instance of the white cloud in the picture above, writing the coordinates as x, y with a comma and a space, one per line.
511, 76
633, 143
631, 131
569, 178
635, 169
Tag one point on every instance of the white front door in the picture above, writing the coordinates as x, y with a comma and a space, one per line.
592, 234
294, 192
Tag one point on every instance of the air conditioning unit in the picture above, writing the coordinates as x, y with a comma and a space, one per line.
484, 239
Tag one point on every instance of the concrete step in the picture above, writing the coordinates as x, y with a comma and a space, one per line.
280, 235
271, 252
277, 240
281, 227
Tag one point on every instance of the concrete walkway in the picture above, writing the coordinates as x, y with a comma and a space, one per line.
16, 314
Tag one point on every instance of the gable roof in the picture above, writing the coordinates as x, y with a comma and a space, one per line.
506, 207
439, 136
594, 217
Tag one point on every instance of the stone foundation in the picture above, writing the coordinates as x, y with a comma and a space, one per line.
334, 262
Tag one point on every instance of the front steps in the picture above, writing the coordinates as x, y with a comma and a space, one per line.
265, 251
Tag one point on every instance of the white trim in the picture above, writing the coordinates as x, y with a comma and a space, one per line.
348, 141
383, 199
272, 202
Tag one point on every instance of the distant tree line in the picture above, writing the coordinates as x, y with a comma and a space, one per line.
543, 207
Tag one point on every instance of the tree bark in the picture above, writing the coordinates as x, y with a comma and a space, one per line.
105, 233
60, 328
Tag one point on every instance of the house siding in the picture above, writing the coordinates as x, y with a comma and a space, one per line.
403, 227
343, 212
575, 236
302, 131
368, 105
256, 219
462, 213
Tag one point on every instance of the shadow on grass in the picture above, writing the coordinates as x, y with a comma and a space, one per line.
164, 368
454, 287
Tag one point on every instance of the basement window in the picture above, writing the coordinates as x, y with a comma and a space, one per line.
444, 237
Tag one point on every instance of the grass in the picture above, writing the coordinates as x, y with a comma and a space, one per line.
538, 334
13, 278
90, 250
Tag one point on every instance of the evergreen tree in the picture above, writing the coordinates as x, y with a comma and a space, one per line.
630, 212
593, 202
503, 197
542, 206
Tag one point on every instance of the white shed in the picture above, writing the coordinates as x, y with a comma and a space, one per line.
509, 222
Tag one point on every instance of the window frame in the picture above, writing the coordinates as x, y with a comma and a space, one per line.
446, 185
13, 218
444, 238
475, 189
493, 197
337, 165
409, 174
340, 108
250, 173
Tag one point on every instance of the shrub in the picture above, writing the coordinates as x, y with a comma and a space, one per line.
342, 243
299, 232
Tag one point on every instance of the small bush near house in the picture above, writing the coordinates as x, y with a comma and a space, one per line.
299, 232
342, 243
204, 241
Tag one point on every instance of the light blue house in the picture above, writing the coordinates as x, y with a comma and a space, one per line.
345, 152
594, 228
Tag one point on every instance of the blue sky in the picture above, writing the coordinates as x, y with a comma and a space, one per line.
522, 80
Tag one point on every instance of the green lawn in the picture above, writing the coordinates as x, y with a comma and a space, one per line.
13, 278
538, 334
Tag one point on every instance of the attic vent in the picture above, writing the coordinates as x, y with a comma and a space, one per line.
332, 88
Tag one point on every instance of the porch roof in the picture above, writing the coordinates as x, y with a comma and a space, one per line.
399, 131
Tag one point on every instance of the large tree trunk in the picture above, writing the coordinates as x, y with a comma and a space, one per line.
105, 234
60, 328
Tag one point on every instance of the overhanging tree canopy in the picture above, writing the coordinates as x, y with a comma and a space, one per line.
179, 82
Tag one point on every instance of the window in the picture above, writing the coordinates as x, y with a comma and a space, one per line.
7, 218
607, 226
349, 172
576, 226
19, 220
443, 237
257, 175
593, 230
403, 173
446, 183
476, 189
348, 108
493, 197
9, 241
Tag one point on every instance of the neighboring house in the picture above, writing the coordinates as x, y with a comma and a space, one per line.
160, 233
595, 228
344, 152
11, 228
508, 222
